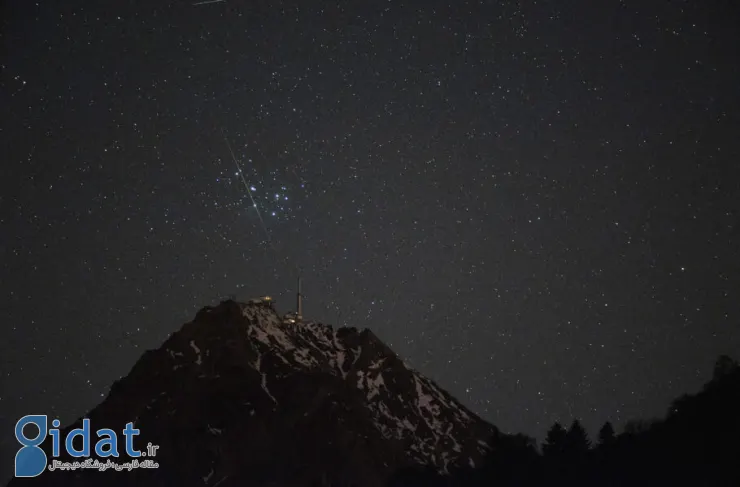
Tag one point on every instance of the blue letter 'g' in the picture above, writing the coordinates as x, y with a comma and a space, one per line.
30, 460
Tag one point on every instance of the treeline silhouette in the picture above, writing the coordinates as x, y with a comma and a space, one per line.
697, 444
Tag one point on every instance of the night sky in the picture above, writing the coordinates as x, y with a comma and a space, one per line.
535, 203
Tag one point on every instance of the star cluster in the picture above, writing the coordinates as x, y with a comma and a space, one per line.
536, 204
272, 194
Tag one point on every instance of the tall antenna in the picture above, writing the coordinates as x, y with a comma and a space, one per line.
299, 301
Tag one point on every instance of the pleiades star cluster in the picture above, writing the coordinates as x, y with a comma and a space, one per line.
535, 203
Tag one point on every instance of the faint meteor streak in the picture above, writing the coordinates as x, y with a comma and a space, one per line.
249, 191
208, 1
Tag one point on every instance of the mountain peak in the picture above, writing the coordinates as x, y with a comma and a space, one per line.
241, 395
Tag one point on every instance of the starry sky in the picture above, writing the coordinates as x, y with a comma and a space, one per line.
535, 203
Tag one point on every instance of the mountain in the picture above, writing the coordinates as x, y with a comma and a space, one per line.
240, 397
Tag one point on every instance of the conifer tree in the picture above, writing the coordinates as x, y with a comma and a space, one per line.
555, 441
606, 434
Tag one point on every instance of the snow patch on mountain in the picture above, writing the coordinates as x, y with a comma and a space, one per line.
195, 348
374, 385
340, 363
174, 354
303, 357
208, 477
264, 387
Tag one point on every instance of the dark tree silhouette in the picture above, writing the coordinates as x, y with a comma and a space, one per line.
724, 367
554, 444
606, 435
576, 440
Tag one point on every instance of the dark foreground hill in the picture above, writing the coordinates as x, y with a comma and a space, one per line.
238, 398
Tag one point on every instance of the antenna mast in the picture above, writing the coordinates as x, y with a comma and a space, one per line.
299, 301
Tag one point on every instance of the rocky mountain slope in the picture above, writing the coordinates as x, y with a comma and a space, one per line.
237, 397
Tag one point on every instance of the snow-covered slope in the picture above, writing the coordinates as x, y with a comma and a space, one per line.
405, 405
237, 397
